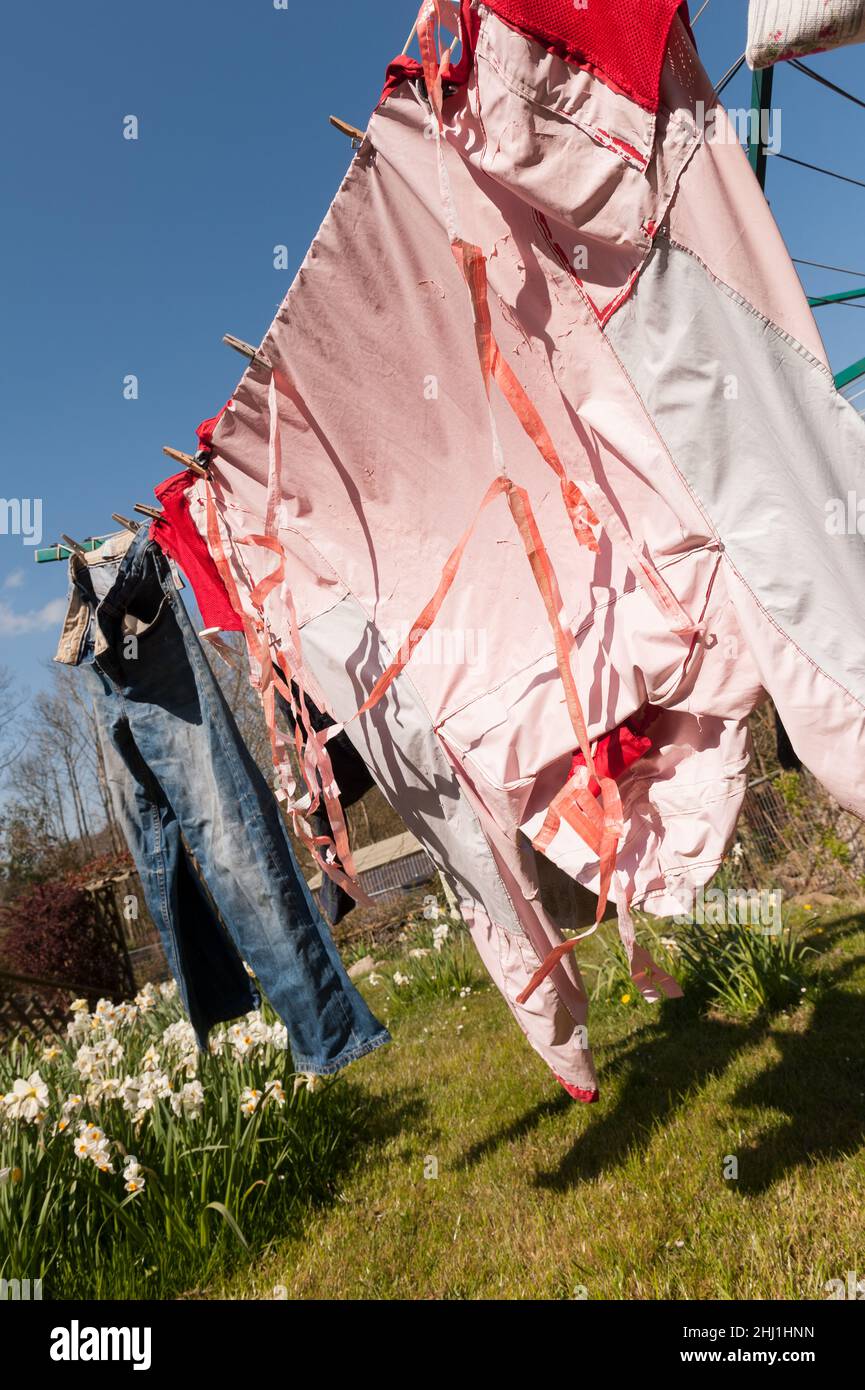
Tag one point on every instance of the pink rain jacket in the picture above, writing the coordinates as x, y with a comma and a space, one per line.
664, 444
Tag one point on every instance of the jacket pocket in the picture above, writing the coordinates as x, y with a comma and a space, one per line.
596, 169
516, 741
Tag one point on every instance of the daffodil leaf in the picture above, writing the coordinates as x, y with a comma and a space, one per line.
223, 1211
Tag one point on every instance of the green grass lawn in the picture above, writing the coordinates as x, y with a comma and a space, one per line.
538, 1196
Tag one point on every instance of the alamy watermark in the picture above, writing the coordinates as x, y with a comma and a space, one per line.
442, 646
20, 1290
742, 125
850, 1287
22, 516
77, 1343
757, 908
845, 516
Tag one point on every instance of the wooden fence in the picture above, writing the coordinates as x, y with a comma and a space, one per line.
33, 1007
36, 1008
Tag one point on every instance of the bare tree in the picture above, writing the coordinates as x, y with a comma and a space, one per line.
8, 711
244, 702
58, 767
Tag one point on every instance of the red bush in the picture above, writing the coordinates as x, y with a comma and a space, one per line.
53, 931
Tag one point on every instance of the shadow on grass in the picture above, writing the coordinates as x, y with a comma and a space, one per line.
665, 1063
556, 1105
817, 1081
368, 1120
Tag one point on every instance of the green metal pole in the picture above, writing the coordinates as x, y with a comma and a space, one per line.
761, 114
816, 300
850, 374
761, 107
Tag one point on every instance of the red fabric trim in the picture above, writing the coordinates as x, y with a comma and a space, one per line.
576, 1093
403, 68
206, 428
624, 41
178, 536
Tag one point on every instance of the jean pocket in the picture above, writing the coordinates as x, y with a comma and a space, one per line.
137, 626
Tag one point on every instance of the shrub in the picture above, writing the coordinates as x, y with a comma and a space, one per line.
53, 931
30, 852
731, 967
742, 971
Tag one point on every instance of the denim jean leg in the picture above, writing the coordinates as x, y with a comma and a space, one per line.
230, 819
214, 985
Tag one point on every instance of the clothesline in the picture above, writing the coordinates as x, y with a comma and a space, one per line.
824, 82
407, 44
818, 169
820, 265
729, 75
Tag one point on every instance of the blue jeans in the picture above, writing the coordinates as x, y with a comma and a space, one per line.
205, 830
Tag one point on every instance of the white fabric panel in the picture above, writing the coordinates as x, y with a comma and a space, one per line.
767, 444
346, 654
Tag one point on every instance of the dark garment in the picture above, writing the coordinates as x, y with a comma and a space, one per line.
195, 807
787, 755
353, 779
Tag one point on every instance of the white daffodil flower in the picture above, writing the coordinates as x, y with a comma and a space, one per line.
27, 1099
189, 1100
145, 999
249, 1099
133, 1177
274, 1091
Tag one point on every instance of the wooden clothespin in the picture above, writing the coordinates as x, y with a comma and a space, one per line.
245, 349
352, 131
187, 460
72, 545
148, 511
126, 522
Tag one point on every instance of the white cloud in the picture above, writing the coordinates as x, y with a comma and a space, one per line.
15, 580
37, 620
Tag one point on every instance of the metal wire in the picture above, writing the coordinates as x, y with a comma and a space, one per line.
824, 82
857, 274
818, 169
729, 75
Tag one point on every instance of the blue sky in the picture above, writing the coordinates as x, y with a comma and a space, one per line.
134, 257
